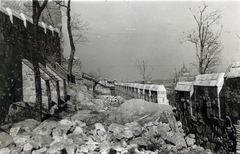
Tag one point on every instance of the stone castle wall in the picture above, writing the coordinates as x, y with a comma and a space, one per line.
16, 43
210, 113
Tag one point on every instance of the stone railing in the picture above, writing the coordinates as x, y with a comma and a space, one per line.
149, 92
209, 107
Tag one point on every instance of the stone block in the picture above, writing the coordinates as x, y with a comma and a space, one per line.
5, 140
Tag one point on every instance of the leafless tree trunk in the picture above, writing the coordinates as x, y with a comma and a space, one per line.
36, 55
205, 39
143, 68
74, 28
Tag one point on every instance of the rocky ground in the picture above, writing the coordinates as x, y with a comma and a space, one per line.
104, 124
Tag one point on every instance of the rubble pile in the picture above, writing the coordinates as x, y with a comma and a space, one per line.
74, 136
132, 126
102, 90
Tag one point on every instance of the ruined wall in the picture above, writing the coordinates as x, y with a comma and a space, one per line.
16, 41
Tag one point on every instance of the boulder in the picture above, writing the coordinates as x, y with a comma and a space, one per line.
135, 109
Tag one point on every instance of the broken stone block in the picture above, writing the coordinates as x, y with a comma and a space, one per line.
82, 149
56, 132
139, 141
42, 140
135, 128
72, 94
178, 141
120, 150
28, 147
21, 140
116, 128
40, 151
15, 150
5, 140
78, 130
65, 125
70, 149
27, 125
98, 104
132, 146
125, 133
78, 139
91, 145
70, 107
189, 141
5, 151
14, 131
81, 115
57, 147
99, 126
104, 147
45, 128
80, 97
191, 135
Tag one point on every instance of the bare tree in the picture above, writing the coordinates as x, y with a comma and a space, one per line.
206, 40
37, 10
75, 28
144, 69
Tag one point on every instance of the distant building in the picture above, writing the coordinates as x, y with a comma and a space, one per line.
184, 75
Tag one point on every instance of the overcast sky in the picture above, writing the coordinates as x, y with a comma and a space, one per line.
122, 32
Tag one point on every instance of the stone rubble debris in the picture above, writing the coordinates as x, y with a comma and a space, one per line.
132, 126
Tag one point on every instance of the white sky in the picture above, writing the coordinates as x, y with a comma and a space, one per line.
122, 32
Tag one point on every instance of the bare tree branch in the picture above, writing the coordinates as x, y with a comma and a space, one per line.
205, 39
143, 68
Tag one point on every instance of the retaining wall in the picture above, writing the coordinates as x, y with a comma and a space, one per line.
16, 42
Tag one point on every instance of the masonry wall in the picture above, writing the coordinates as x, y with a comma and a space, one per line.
16, 43
212, 116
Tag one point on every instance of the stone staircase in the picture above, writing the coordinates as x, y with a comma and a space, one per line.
53, 84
